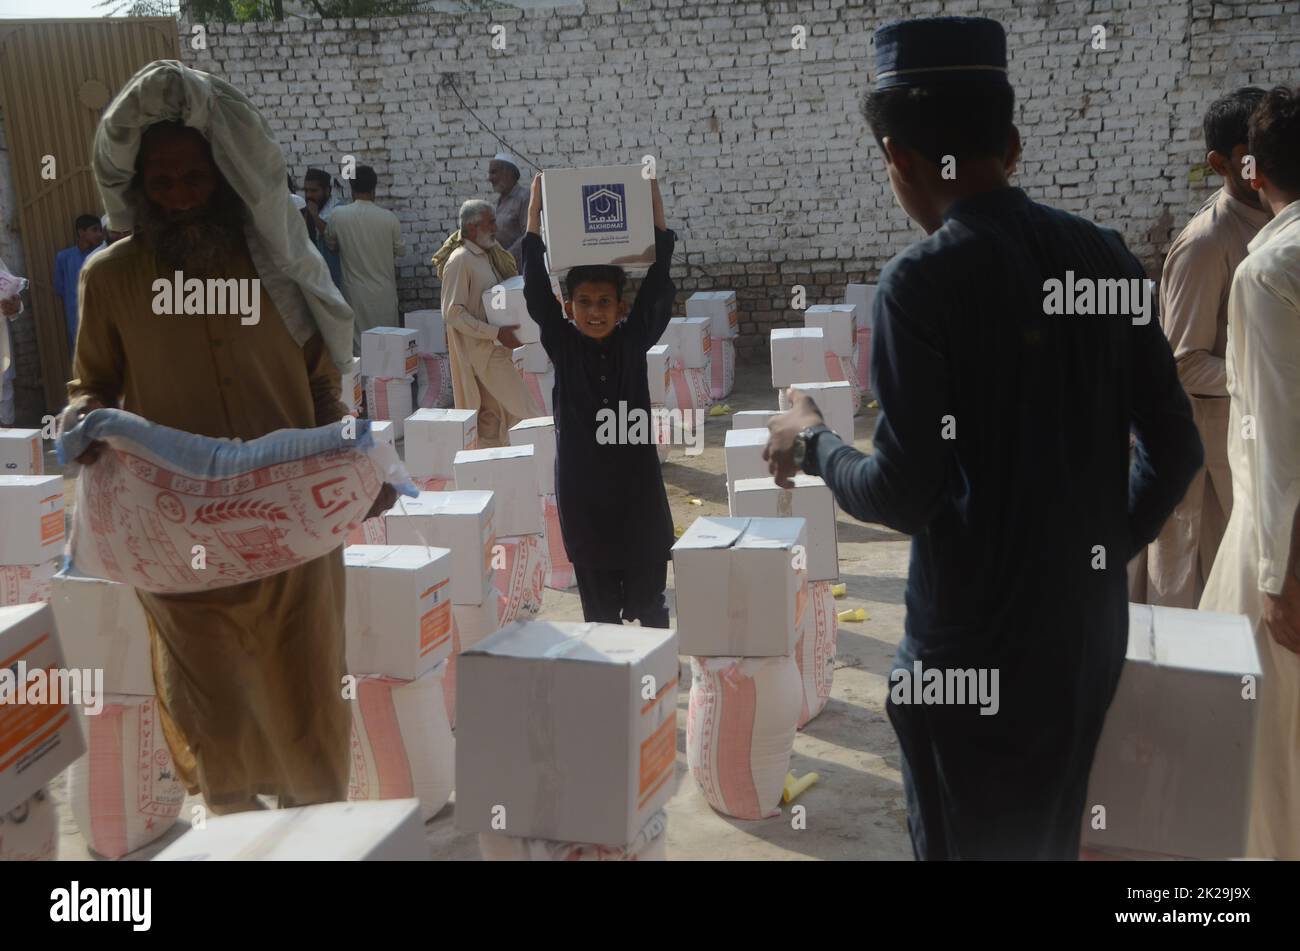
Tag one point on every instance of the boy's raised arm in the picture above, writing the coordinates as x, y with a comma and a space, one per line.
542, 305
653, 307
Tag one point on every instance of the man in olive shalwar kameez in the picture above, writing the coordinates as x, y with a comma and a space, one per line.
249, 677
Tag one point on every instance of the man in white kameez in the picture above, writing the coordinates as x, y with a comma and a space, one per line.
1257, 571
1194, 313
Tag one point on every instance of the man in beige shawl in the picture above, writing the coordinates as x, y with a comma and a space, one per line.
249, 677
483, 375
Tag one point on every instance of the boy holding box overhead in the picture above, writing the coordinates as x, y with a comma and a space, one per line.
614, 513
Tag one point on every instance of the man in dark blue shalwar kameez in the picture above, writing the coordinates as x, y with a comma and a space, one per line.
1002, 447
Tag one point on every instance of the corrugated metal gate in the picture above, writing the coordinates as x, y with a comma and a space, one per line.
56, 78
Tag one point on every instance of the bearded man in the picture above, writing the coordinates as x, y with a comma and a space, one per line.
248, 676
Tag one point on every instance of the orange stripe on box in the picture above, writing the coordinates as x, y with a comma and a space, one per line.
26, 650
425, 593
39, 740
658, 753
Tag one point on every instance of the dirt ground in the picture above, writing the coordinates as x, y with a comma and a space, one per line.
856, 809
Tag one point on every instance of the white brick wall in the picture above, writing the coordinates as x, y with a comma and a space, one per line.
769, 174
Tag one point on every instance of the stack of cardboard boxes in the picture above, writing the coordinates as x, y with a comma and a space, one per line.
567, 740
742, 589
461, 522
433, 367
38, 739
433, 437
719, 308
31, 507
124, 791
539, 433
688, 374
520, 558
389, 359
399, 637
838, 324
505, 306
863, 298
658, 368
352, 390
800, 359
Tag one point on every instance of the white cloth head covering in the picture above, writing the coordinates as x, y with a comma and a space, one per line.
245, 150
509, 160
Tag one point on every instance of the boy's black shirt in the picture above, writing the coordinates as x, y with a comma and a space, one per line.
612, 503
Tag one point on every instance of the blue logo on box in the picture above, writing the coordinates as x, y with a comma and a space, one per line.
604, 208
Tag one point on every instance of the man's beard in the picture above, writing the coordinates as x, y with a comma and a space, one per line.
202, 243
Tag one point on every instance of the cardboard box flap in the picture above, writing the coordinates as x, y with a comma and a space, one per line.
498, 452
796, 333
1141, 635
772, 532
800, 480
588, 641
443, 415
751, 436
399, 557
452, 502
535, 422
708, 532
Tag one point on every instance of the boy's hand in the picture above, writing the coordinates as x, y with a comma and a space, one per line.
535, 206
506, 336
657, 202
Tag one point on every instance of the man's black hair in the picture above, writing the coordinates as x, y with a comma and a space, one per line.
962, 120
365, 181
1274, 137
1226, 120
318, 176
87, 221
595, 274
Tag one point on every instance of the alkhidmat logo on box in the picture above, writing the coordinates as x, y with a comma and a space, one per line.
604, 208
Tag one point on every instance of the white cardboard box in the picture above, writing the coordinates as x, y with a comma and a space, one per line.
720, 309
531, 358
838, 325
461, 521
834, 399
743, 455
352, 387
389, 399
389, 352
811, 500
798, 354
430, 334
741, 586
382, 430
597, 216
658, 361
434, 436
510, 473
560, 733
37, 740
389, 830
21, 452
504, 306
398, 616
538, 432
752, 418
476, 621
690, 339
27, 584
102, 625
31, 511
1174, 764
863, 298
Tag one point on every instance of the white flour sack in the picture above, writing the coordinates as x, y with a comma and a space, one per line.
740, 731
123, 790
520, 575
256, 508
815, 652
30, 831
650, 845
402, 747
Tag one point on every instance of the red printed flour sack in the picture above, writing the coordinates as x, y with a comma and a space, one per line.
519, 569
740, 728
402, 747
171, 512
722, 367
26, 584
433, 379
30, 831
123, 791
689, 388
841, 369
815, 652
369, 532
560, 575
650, 845
542, 386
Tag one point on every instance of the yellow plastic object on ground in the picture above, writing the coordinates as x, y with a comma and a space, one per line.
839, 590
719, 409
853, 614
795, 787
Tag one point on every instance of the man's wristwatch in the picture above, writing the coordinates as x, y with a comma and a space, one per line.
803, 443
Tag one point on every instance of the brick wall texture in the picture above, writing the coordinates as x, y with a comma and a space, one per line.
769, 175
